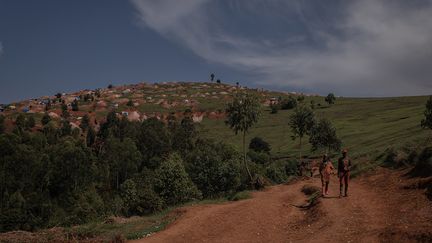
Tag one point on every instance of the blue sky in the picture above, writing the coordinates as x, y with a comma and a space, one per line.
352, 48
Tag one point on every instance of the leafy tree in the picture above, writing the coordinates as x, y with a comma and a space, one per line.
330, 99
30, 122
214, 168
85, 122
257, 144
130, 103
91, 136
427, 121
20, 122
45, 119
301, 122
173, 183
242, 114
66, 128
274, 108
48, 105
75, 106
110, 86
153, 141
212, 76
301, 98
123, 158
65, 113
323, 135
58, 95
218, 81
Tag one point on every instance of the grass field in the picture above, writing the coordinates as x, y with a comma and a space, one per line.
366, 126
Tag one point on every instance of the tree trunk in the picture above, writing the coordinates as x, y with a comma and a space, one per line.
244, 155
300, 159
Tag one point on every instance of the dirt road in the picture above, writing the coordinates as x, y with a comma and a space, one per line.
377, 210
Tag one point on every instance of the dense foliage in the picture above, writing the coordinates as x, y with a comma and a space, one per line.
57, 175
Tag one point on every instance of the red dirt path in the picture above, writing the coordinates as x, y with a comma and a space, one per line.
377, 210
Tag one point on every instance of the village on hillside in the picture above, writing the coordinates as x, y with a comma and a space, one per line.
138, 102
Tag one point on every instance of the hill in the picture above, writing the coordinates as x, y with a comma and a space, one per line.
366, 126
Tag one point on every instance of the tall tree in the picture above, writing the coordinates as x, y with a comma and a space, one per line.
212, 76
330, 99
85, 122
242, 113
301, 122
323, 135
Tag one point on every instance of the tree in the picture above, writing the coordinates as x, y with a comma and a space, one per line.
130, 103
323, 135
30, 122
212, 76
214, 168
242, 113
48, 105
218, 81
257, 144
289, 103
123, 158
427, 121
75, 106
65, 113
85, 122
45, 119
110, 86
66, 128
330, 99
20, 121
173, 183
301, 122
91, 136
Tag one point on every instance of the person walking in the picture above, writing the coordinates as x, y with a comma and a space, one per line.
326, 170
344, 167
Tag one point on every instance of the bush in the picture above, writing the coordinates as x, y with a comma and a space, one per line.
173, 183
259, 157
277, 173
257, 144
139, 198
289, 103
423, 167
214, 168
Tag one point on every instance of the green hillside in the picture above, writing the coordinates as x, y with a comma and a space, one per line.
365, 125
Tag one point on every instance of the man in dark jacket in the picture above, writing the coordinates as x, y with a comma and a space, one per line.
344, 167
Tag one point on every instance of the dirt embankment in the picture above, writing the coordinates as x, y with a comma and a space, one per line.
378, 209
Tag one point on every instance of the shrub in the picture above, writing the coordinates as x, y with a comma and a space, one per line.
423, 167
257, 144
173, 183
289, 103
214, 168
276, 173
259, 157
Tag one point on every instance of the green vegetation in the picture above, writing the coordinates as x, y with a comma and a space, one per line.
367, 126
242, 114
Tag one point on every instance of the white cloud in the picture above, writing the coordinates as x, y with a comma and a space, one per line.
374, 47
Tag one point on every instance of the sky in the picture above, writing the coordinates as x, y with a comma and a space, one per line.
359, 48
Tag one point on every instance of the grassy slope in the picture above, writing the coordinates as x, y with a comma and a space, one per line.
366, 126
